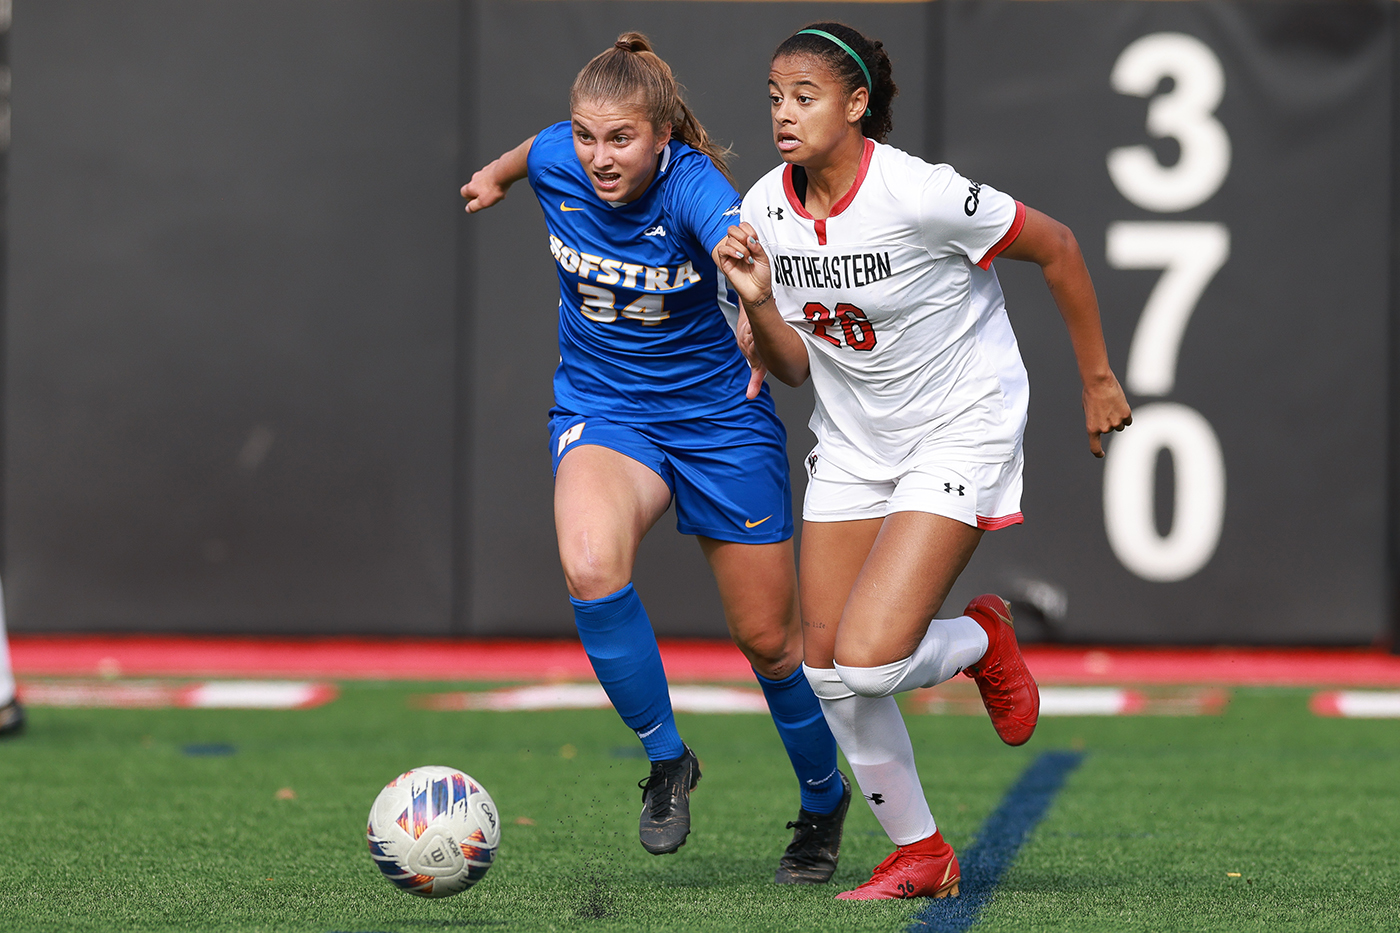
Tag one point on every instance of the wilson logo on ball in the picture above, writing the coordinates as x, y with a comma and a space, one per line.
433, 831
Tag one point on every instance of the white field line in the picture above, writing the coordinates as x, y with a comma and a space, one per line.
155, 694
1084, 701
686, 699
1358, 704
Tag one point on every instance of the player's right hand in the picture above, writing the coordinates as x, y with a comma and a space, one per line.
744, 263
483, 190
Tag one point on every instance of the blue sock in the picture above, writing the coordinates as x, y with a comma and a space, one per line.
798, 716
618, 639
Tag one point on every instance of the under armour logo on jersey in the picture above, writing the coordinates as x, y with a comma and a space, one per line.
949, 488
569, 436
658, 230
812, 465
875, 799
974, 192
732, 212
775, 212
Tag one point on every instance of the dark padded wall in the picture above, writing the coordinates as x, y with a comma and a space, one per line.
261, 374
229, 360
519, 587
1285, 353
6, 11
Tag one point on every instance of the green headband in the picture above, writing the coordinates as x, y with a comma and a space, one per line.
869, 85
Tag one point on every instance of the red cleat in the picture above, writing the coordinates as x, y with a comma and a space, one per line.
927, 868
1008, 690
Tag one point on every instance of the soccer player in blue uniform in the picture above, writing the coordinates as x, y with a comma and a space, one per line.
651, 405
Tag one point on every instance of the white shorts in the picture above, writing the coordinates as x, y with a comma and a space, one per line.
983, 495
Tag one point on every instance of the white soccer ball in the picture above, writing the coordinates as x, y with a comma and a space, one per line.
433, 831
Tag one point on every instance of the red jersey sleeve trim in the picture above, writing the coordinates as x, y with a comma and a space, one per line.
1016, 224
1003, 521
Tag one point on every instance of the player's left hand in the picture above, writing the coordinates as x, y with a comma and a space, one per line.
744, 335
1105, 409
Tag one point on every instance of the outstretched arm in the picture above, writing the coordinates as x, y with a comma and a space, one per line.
1050, 244
491, 183
744, 263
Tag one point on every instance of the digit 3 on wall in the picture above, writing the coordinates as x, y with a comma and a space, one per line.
1189, 255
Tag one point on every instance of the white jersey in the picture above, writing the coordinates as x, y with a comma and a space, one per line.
911, 350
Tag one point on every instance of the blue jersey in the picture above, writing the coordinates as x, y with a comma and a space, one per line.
642, 335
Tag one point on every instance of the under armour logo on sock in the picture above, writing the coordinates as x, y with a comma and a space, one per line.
875, 799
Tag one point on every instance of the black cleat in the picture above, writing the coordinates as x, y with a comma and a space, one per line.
666, 803
816, 844
11, 719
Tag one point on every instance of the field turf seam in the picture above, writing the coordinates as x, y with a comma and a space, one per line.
998, 842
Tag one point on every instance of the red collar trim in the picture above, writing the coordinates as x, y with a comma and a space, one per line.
866, 155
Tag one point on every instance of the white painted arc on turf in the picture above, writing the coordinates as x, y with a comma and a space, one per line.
1054, 701
1083, 701
251, 694
591, 696
717, 700
550, 696
1357, 704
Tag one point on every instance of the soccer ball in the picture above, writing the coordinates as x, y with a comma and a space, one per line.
433, 831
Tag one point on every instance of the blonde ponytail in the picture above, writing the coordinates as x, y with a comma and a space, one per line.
631, 71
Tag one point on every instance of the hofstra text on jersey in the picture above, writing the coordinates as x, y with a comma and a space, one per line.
626, 274
852, 270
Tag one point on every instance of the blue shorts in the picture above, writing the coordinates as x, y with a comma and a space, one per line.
728, 473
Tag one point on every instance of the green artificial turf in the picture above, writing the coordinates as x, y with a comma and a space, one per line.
109, 825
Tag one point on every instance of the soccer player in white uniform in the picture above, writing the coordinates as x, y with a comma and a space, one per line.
870, 271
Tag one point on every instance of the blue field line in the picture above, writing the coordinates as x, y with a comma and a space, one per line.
998, 841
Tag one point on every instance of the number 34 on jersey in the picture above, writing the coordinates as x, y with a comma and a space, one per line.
600, 303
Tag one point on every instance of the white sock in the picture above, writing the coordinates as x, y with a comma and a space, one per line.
949, 646
7, 674
872, 734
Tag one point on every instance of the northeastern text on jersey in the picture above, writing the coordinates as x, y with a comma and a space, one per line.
852, 270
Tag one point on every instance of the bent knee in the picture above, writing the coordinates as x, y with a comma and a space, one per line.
880, 681
594, 578
826, 683
772, 653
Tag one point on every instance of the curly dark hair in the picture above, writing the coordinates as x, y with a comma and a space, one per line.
878, 123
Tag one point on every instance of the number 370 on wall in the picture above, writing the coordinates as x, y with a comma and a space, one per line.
1189, 255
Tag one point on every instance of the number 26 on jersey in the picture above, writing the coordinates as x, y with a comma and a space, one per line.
855, 327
